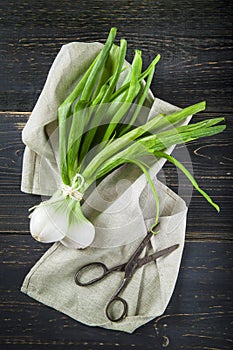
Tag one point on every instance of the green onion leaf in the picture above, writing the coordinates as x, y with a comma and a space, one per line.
188, 175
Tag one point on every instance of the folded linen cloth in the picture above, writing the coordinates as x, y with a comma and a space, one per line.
125, 207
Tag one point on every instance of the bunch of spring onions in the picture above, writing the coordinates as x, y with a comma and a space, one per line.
98, 132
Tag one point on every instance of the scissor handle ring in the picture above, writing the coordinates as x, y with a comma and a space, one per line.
124, 312
82, 270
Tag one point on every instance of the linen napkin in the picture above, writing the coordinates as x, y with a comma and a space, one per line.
121, 207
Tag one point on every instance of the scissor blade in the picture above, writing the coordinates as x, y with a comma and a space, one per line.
156, 255
132, 263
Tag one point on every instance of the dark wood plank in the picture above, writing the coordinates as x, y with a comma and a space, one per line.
198, 317
211, 159
195, 40
193, 37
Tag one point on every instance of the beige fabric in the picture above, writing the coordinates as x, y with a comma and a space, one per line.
51, 280
120, 227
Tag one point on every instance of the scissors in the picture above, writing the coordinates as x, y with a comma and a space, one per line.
129, 268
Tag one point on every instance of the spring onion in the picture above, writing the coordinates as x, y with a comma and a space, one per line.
99, 130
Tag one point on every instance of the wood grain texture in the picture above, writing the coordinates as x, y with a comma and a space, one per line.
195, 40
198, 315
193, 37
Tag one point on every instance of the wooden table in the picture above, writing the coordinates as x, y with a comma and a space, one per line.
195, 41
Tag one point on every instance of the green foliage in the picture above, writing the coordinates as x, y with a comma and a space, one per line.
98, 141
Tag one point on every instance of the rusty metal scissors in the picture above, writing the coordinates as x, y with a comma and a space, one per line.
129, 268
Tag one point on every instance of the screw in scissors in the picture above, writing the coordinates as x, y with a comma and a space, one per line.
128, 268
